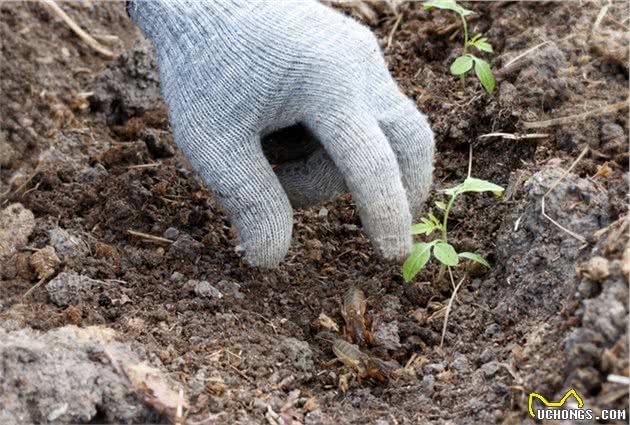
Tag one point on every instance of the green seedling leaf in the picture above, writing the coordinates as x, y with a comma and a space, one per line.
480, 43
462, 65
446, 254
441, 205
484, 46
474, 257
422, 229
420, 254
448, 5
472, 184
482, 69
435, 221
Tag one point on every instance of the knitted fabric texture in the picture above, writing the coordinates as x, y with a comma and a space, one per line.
233, 71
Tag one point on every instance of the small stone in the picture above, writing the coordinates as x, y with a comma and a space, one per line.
386, 335
229, 287
460, 363
597, 269
428, 381
493, 329
16, 225
177, 277
487, 355
204, 289
350, 228
66, 244
171, 233
185, 247
434, 368
71, 288
323, 213
490, 369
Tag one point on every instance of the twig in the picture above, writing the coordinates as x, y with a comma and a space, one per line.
618, 24
600, 16
469, 159
513, 64
618, 379
106, 38
394, 28
553, 186
269, 322
448, 307
138, 166
511, 136
247, 378
34, 287
179, 413
87, 38
578, 117
23, 185
149, 237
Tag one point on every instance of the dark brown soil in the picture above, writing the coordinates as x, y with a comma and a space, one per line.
535, 322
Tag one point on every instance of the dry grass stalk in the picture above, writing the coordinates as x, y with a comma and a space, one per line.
84, 36
149, 237
511, 136
140, 166
450, 304
394, 28
578, 117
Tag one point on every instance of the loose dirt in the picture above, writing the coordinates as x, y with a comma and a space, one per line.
86, 147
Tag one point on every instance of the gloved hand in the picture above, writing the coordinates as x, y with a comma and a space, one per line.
234, 71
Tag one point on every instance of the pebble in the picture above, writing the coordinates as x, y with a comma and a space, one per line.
16, 225
177, 277
204, 289
229, 287
493, 329
171, 233
185, 247
386, 335
460, 363
427, 384
487, 355
70, 288
598, 269
323, 213
66, 244
490, 369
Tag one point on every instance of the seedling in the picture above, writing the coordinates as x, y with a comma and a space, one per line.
443, 251
467, 61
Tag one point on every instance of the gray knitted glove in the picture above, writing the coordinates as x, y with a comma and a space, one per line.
234, 71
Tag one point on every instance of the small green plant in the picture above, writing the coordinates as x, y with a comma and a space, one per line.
464, 63
440, 248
